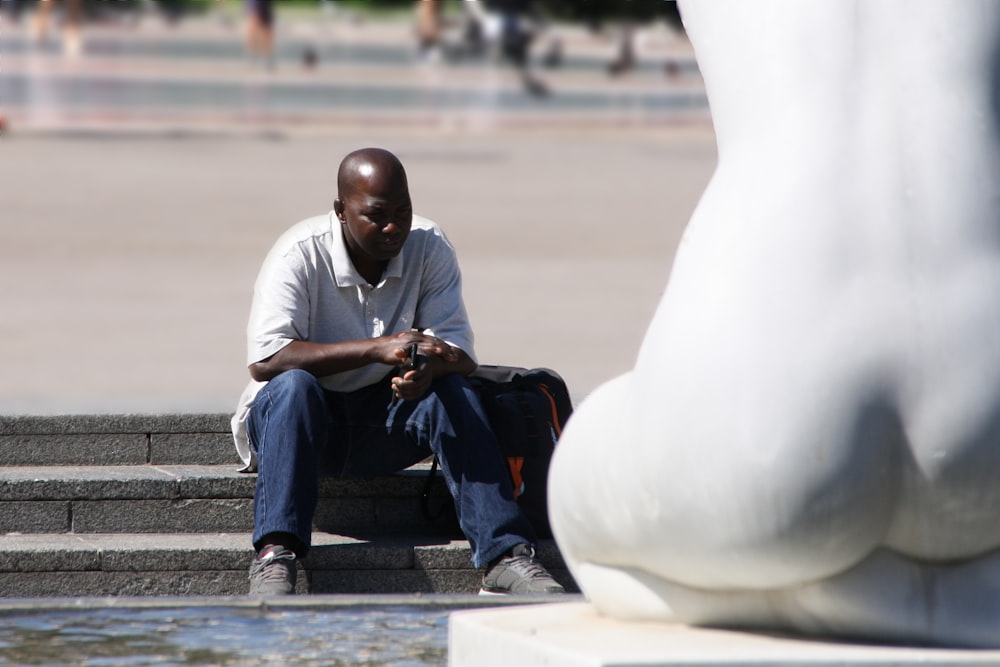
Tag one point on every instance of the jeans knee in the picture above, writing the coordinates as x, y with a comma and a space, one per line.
289, 402
454, 396
295, 384
451, 385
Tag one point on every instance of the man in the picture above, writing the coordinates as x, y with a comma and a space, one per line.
338, 303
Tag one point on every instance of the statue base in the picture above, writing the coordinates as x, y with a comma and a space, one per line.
574, 635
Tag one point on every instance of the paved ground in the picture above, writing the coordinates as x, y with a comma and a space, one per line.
128, 246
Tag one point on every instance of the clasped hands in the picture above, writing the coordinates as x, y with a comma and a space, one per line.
417, 371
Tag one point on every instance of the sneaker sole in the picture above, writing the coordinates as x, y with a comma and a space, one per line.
485, 593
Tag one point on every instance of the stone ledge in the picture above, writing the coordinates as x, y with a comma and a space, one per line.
75, 449
235, 582
574, 635
216, 564
115, 424
350, 516
107, 482
178, 551
95, 440
82, 440
201, 499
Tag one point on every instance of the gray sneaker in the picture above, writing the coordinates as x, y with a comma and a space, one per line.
519, 574
273, 572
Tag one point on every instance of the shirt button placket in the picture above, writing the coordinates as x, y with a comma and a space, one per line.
373, 322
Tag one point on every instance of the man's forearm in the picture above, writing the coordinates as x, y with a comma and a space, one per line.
323, 359
320, 359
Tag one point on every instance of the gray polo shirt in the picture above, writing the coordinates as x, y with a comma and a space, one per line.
308, 289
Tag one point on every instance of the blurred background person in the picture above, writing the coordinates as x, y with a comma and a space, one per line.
512, 25
429, 18
260, 30
10, 11
71, 19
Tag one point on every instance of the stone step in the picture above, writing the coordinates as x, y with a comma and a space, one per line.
115, 440
155, 505
217, 564
202, 499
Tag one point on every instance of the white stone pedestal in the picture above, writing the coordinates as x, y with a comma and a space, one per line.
574, 635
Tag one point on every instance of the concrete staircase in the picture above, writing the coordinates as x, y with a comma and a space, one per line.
95, 505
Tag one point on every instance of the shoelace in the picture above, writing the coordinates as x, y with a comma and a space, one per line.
262, 568
526, 565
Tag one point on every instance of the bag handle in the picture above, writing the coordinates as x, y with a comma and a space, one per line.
425, 496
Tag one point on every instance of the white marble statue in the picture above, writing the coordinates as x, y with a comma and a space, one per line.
810, 439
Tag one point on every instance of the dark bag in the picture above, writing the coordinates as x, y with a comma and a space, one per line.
527, 409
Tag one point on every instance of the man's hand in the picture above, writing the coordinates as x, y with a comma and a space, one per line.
422, 358
323, 359
413, 384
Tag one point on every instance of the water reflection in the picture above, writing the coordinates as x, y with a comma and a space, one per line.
403, 636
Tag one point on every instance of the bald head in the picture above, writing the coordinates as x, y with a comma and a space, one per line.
374, 208
365, 165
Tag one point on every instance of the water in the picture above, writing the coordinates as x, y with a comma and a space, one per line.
404, 635
95, 92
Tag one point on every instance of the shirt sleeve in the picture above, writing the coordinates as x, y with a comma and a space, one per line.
441, 309
280, 310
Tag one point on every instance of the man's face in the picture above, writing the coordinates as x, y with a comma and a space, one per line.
377, 213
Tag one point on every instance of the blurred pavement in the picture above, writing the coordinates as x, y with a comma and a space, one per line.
133, 223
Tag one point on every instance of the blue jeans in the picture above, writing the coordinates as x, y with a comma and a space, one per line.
301, 431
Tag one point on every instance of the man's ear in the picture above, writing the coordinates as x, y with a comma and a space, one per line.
338, 208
